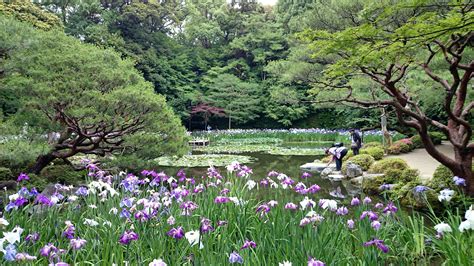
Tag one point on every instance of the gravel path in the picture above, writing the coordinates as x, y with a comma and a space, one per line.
421, 160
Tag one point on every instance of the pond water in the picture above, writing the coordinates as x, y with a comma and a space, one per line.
286, 164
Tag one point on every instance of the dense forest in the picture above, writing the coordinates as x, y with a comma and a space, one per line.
243, 62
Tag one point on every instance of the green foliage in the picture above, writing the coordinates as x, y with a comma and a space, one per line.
363, 160
30, 13
394, 149
375, 152
63, 174
416, 140
37, 181
373, 144
437, 137
61, 77
19, 155
6, 174
442, 178
386, 164
239, 99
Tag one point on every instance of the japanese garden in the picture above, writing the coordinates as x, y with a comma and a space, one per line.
252, 132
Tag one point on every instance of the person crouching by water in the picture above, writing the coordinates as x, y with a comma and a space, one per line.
356, 141
338, 151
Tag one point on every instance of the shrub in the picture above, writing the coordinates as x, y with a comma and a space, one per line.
410, 175
417, 143
349, 155
392, 176
372, 185
5, 174
64, 174
436, 137
394, 149
363, 160
442, 178
404, 148
375, 152
19, 155
407, 142
37, 182
389, 163
373, 144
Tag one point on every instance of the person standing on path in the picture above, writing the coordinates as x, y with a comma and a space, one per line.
356, 141
337, 153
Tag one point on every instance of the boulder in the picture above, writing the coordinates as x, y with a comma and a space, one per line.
315, 167
326, 172
335, 177
358, 180
353, 170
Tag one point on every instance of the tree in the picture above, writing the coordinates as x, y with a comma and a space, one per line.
97, 102
30, 13
435, 37
207, 111
240, 100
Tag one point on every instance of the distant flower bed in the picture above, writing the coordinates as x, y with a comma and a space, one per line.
312, 134
156, 219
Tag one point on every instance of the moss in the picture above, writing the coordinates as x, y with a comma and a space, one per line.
389, 163
64, 174
406, 195
375, 152
5, 174
363, 160
410, 175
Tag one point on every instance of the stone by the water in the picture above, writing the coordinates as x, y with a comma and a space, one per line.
336, 177
316, 167
353, 170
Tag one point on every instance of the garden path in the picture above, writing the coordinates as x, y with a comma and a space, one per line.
421, 160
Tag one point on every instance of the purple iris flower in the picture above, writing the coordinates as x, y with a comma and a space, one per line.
248, 244
127, 237
82, 191
127, 202
33, 238
234, 257
420, 189
22, 177
314, 188
376, 224
263, 209
176, 233
43, 200
291, 206
125, 214
77, 243
314, 262
370, 214
386, 187
23, 192
391, 208
141, 216
305, 175
350, 224
181, 174
379, 205
367, 200
355, 201
378, 243
220, 200
34, 192
273, 173
70, 230
459, 181
342, 211
20, 201
222, 223
206, 226
264, 183
10, 252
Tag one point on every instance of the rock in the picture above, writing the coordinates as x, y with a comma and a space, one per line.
353, 170
358, 180
337, 193
326, 172
335, 177
316, 166
11, 185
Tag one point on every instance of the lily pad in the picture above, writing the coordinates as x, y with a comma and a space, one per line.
234, 148
295, 151
202, 160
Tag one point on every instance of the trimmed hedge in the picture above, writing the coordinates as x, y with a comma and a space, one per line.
382, 166
375, 152
363, 160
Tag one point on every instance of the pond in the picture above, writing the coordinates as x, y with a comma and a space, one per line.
286, 164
